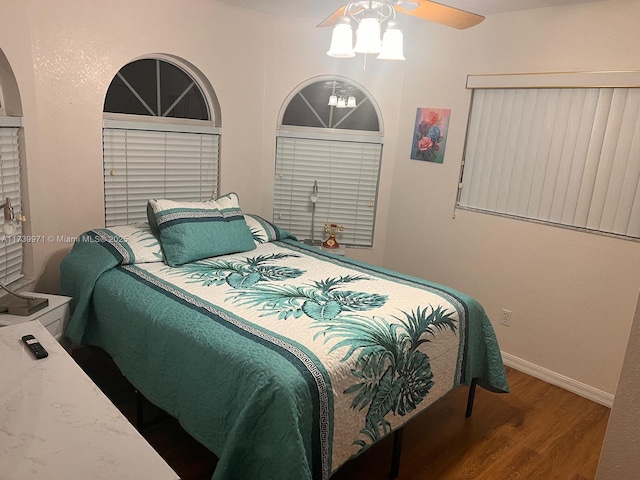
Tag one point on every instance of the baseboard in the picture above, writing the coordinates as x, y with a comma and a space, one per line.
586, 391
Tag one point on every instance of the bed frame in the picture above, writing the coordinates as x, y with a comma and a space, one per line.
397, 435
117, 275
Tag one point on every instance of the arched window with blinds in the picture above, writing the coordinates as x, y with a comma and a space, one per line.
11, 248
161, 138
329, 136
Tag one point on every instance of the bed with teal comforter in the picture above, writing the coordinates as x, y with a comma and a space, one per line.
283, 360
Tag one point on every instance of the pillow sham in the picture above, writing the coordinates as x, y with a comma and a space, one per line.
264, 231
191, 231
133, 243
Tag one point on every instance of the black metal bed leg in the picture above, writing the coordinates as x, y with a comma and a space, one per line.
139, 411
395, 456
472, 396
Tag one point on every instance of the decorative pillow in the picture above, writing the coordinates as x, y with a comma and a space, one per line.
193, 230
264, 231
134, 243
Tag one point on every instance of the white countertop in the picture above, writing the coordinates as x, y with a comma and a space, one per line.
56, 424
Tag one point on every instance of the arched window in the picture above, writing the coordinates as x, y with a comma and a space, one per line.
330, 136
10, 134
161, 138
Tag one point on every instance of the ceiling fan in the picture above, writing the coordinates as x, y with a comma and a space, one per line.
425, 9
371, 16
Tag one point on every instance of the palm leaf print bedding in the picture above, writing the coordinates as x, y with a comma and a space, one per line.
284, 361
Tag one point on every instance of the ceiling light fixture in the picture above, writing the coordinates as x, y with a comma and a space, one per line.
339, 101
342, 99
371, 17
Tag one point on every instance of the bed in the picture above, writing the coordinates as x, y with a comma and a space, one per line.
284, 360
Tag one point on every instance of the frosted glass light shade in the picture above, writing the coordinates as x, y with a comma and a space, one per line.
341, 41
342, 103
351, 102
333, 100
392, 44
9, 227
368, 36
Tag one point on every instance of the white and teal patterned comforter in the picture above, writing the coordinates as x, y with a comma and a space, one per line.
284, 361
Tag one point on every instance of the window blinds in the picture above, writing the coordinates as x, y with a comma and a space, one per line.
10, 246
347, 176
144, 164
568, 156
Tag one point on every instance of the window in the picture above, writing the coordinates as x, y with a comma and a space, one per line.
339, 149
10, 250
567, 155
11, 253
160, 139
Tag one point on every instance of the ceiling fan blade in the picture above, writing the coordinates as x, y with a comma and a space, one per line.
332, 19
443, 14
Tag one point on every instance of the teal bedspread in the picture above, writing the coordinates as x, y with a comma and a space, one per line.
284, 361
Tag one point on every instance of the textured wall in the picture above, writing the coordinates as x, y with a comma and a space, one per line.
64, 54
572, 293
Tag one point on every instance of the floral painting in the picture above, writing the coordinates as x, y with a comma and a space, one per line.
430, 134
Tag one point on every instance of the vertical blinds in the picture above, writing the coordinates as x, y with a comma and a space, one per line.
347, 176
10, 246
569, 156
144, 164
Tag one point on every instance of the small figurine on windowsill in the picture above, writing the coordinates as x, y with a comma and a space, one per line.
332, 229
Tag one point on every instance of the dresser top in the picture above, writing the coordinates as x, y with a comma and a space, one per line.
56, 424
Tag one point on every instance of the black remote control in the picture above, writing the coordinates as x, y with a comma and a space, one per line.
35, 347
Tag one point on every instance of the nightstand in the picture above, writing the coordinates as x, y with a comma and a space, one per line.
336, 251
54, 317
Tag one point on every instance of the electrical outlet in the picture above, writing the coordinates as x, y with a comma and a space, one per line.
506, 318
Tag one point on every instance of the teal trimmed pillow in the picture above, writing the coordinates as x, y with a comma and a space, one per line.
191, 231
133, 243
264, 231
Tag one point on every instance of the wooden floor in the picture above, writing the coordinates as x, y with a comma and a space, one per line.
538, 431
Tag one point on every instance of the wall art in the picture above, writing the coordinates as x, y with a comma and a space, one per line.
430, 134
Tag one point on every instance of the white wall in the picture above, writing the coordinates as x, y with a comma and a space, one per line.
65, 53
572, 294
65, 58
295, 52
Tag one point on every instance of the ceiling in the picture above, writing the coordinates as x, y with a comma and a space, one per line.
323, 8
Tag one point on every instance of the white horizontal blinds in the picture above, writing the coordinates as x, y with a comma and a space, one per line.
347, 176
563, 155
10, 247
143, 164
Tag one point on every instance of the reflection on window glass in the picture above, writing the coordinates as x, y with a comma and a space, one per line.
310, 108
134, 90
297, 113
335, 151
181, 97
141, 75
121, 99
